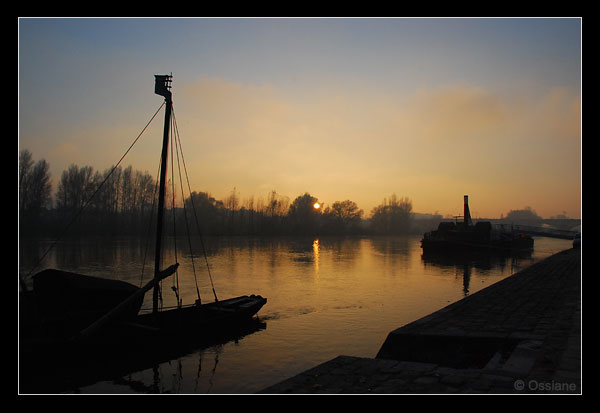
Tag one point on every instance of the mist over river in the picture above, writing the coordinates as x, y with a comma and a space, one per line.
327, 296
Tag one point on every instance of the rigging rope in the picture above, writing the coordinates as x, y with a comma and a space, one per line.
175, 286
94, 194
176, 141
185, 217
194, 209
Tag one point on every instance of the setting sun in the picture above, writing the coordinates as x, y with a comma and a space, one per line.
316, 205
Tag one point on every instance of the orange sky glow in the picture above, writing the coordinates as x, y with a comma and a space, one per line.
311, 116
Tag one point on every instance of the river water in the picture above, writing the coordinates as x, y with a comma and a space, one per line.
327, 296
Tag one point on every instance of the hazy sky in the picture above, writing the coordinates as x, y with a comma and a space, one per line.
359, 109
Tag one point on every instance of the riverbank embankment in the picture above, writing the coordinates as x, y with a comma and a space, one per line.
519, 335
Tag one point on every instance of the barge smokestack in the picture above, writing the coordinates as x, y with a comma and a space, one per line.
467, 214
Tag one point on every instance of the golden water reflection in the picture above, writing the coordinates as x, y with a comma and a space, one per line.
326, 296
316, 254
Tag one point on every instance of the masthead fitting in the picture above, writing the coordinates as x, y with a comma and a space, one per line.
162, 84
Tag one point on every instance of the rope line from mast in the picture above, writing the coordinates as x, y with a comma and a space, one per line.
176, 135
194, 209
175, 286
78, 213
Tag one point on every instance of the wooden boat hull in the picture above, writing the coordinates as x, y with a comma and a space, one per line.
126, 346
62, 303
203, 320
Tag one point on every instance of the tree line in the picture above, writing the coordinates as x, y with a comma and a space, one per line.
125, 205
120, 205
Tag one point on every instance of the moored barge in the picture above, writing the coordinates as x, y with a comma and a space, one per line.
483, 235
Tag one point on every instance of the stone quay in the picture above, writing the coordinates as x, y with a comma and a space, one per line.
521, 335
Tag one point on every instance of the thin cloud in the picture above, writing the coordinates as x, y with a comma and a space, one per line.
350, 142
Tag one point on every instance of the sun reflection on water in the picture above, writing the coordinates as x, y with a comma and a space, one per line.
316, 248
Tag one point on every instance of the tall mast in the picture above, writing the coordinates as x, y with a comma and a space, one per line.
162, 84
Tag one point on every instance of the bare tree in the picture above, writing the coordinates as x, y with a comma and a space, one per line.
25, 166
34, 189
343, 217
303, 215
392, 217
